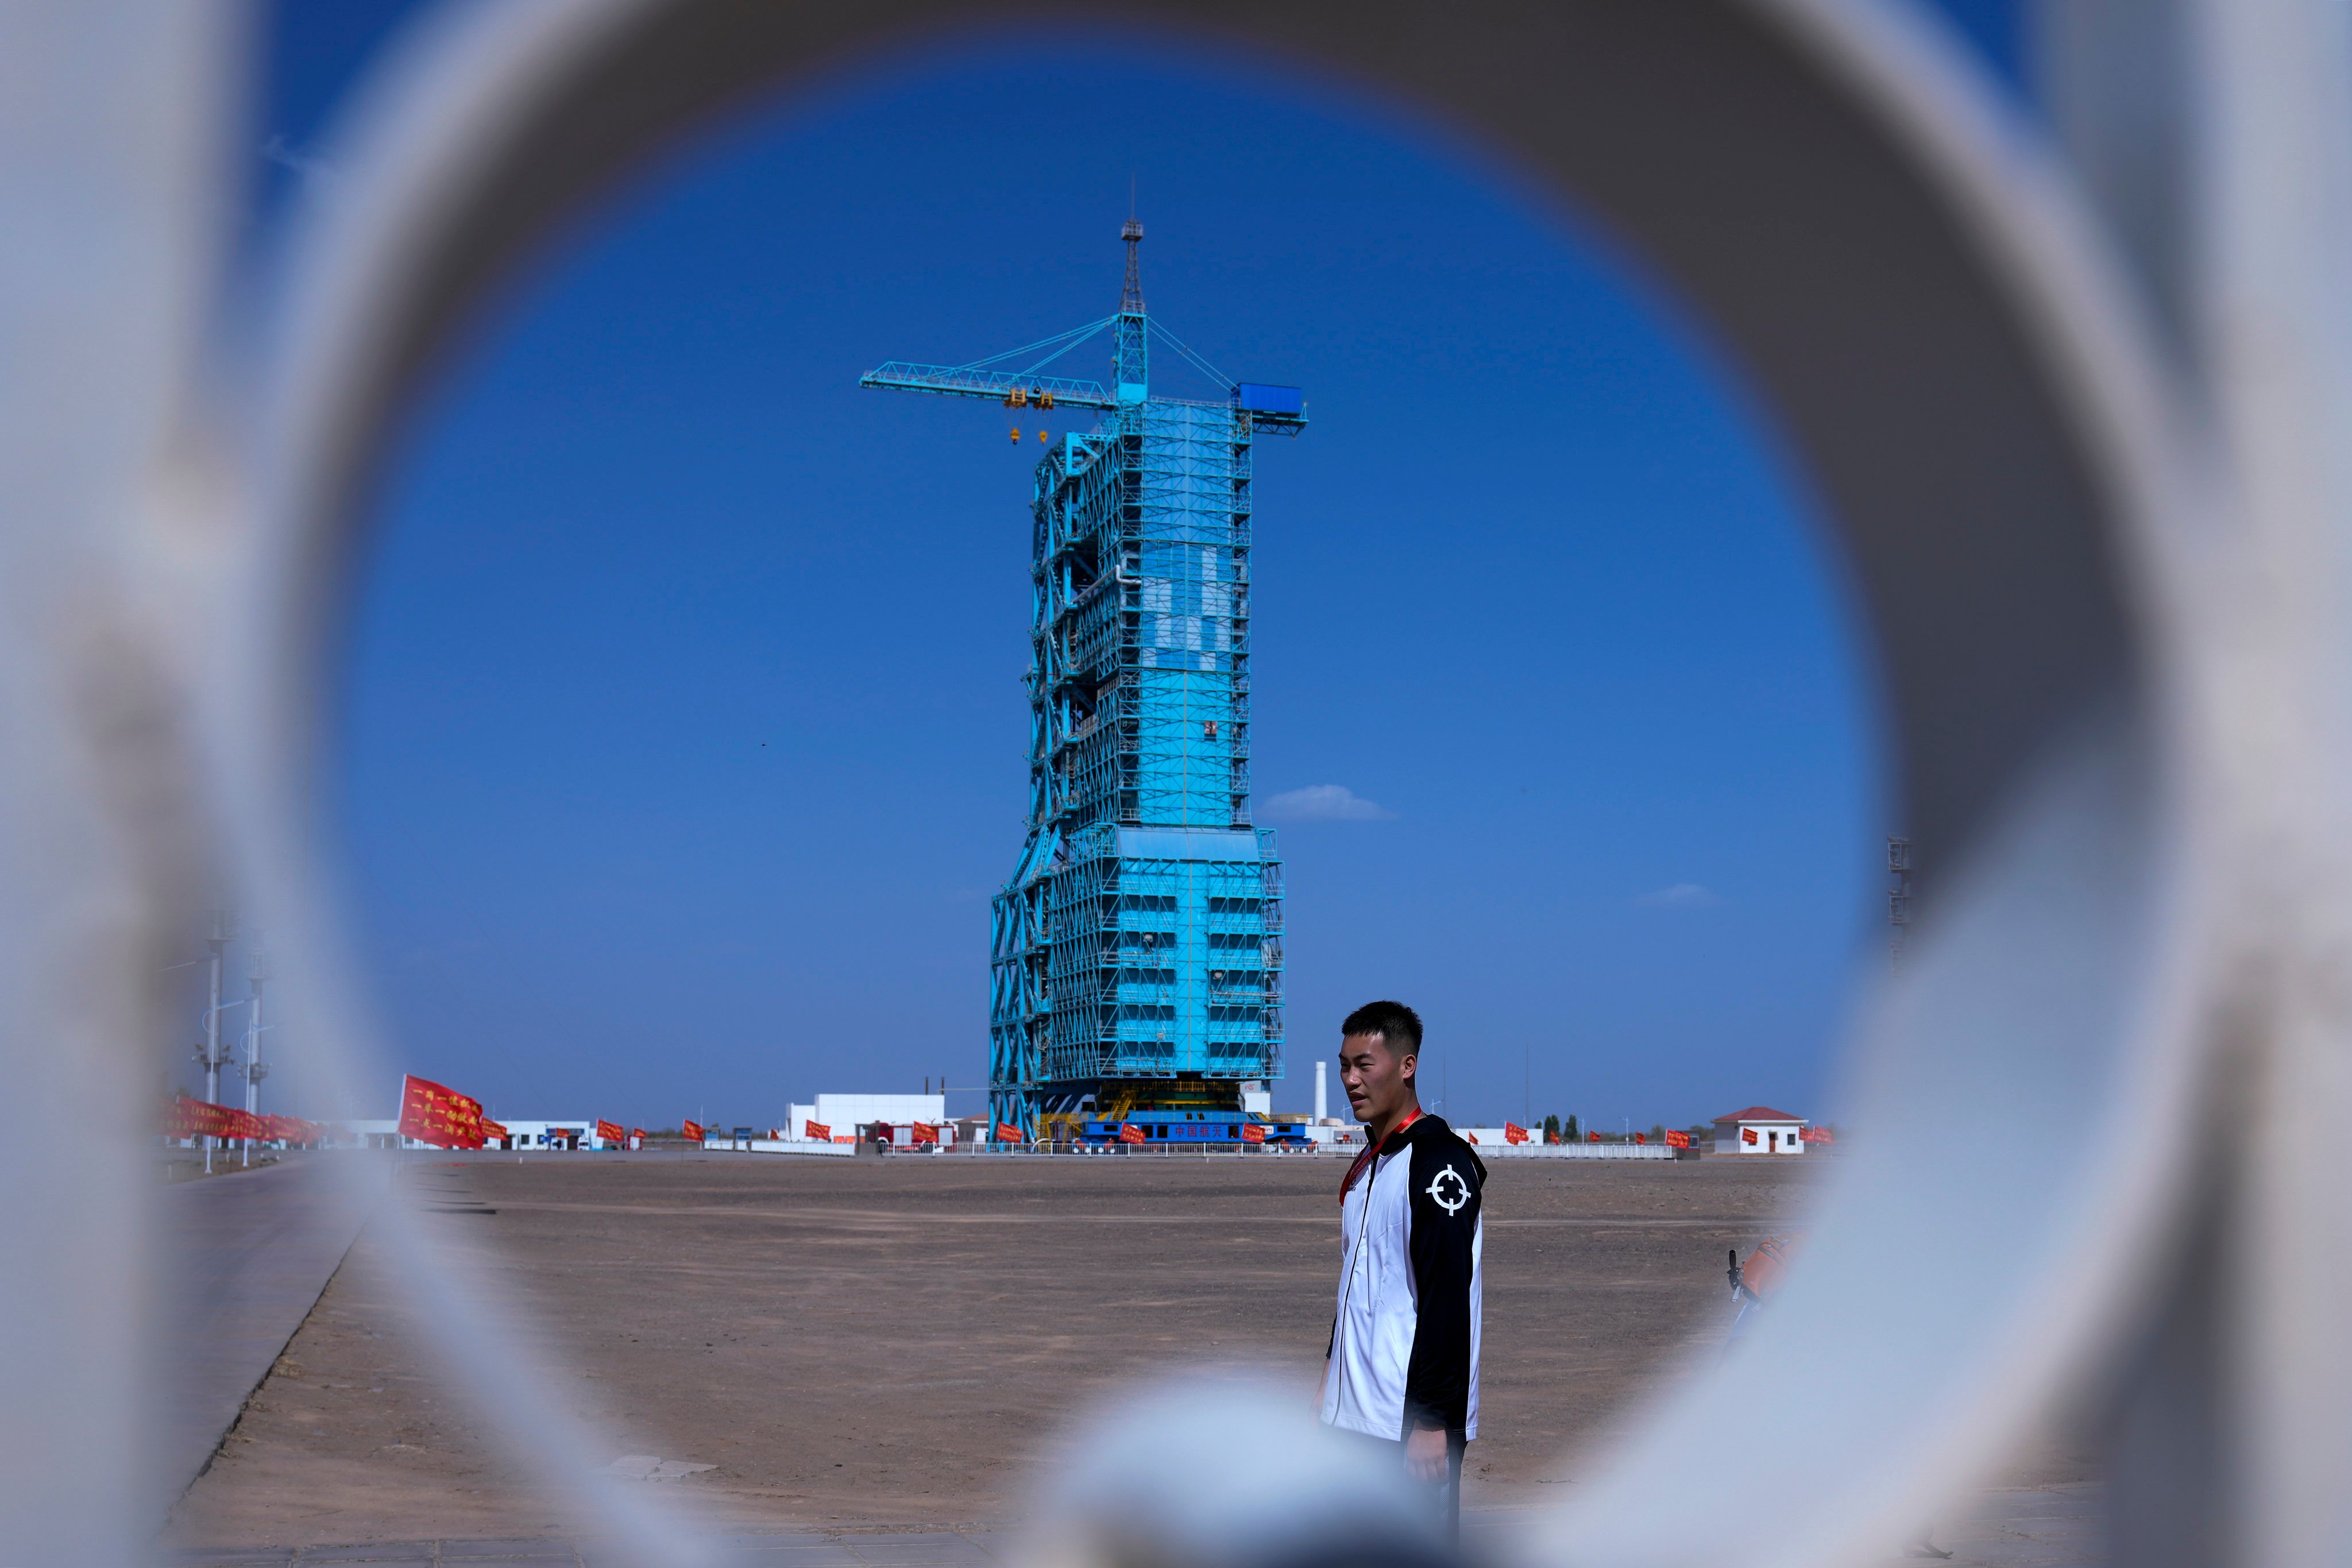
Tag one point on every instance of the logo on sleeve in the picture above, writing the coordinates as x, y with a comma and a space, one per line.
1449, 1191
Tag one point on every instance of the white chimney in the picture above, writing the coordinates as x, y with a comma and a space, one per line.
1320, 1111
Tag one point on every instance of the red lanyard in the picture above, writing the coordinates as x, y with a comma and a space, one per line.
1372, 1151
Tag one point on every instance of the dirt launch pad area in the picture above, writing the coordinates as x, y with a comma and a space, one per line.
889, 1342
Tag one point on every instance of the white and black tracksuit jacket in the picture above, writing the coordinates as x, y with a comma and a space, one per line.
1404, 1344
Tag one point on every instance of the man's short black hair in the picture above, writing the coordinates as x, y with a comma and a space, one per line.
1398, 1025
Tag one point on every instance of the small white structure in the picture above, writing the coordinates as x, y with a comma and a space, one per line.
844, 1114
579, 1133
1329, 1132
1759, 1129
1257, 1100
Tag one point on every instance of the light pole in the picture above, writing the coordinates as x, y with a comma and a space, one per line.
209, 1054
255, 1069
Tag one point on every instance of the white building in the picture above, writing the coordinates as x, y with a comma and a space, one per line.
844, 1114
1759, 1129
580, 1133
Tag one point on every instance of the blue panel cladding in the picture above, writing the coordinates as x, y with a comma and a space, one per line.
1262, 399
1141, 935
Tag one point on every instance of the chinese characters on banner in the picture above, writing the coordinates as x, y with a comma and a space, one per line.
1128, 1133
187, 1118
1008, 1133
436, 1114
1253, 1133
1678, 1141
817, 1130
1514, 1134
610, 1131
494, 1131
694, 1129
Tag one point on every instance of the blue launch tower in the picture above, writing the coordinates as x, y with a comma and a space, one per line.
1136, 952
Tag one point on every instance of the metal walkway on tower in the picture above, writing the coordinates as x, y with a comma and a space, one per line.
1135, 952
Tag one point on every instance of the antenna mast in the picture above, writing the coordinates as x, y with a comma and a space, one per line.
1130, 298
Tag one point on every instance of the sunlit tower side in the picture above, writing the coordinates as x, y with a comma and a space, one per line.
1136, 952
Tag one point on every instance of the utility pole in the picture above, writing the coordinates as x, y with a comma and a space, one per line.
209, 1055
255, 1069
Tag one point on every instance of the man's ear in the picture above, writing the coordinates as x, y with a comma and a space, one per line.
1408, 1065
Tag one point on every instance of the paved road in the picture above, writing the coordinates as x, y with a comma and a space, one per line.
2044, 1527
250, 1253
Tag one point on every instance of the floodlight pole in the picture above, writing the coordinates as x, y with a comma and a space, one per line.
255, 1069
217, 939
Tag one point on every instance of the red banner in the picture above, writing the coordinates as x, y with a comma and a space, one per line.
493, 1130
610, 1131
1678, 1140
637, 1135
189, 1118
1641, 1138
1128, 1133
1747, 1135
925, 1132
1818, 1135
1592, 1138
1008, 1133
1514, 1134
436, 1114
1253, 1133
289, 1129
692, 1130
816, 1129
227, 1121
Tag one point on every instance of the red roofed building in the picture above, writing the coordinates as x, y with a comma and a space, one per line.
1759, 1129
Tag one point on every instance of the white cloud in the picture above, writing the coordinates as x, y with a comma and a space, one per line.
1323, 803
1681, 896
316, 171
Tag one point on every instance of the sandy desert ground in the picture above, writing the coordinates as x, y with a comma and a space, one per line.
902, 1341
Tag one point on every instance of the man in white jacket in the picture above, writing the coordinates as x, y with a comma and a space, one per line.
1403, 1365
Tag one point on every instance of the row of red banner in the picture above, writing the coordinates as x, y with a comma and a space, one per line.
188, 1118
436, 1114
1514, 1133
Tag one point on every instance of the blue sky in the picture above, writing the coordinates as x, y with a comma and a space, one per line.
682, 734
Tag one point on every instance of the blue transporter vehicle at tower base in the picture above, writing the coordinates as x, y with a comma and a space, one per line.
1136, 952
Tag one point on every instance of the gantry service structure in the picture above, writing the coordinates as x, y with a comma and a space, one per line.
1135, 952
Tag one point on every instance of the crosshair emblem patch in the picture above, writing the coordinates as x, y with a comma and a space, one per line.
1448, 1190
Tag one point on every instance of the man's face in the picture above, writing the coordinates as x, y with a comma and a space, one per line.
1378, 1081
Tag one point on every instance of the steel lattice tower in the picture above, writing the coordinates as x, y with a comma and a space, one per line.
1136, 952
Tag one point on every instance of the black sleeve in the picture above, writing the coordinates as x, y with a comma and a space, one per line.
1447, 1179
